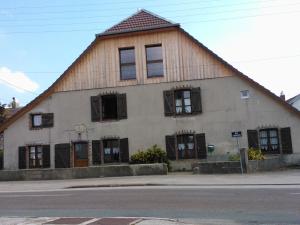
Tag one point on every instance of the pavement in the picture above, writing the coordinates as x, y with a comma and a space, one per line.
284, 179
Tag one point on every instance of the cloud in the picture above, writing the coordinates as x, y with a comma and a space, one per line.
17, 80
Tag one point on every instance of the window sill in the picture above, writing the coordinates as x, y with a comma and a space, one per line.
157, 76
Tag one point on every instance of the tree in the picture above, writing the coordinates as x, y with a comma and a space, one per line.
2, 112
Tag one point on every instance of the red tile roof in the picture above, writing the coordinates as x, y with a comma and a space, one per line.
142, 20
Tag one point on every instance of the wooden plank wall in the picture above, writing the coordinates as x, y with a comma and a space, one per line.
183, 60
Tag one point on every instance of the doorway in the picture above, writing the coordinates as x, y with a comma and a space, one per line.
81, 154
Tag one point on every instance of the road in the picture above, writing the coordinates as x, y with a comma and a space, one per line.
240, 204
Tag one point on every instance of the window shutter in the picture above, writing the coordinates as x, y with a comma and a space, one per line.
122, 106
22, 157
47, 120
124, 150
46, 156
169, 103
252, 139
201, 146
95, 108
170, 147
96, 152
196, 100
286, 140
62, 155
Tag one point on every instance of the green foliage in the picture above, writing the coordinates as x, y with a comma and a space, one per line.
255, 154
234, 157
154, 154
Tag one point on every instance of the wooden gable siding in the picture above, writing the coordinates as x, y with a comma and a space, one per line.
183, 60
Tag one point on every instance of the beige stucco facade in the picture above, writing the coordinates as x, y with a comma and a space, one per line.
223, 112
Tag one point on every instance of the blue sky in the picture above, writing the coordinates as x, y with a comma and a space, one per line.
40, 39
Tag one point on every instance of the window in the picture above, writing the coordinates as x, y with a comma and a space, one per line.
183, 102
127, 63
154, 59
186, 146
245, 94
35, 157
269, 140
42, 120
108, 107
111, 151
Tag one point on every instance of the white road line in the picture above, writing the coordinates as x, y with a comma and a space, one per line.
21, 196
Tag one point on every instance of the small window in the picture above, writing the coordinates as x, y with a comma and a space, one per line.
35, 157
109, 107
269, 140
36, 120
245, 94
186, 146
183, 102
127, 64
154, 59
111, 150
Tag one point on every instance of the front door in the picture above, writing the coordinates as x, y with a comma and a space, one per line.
81, 154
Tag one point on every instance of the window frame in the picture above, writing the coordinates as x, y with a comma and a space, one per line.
103, 118
111, 161
127, 64
183, 105
32, 120
38, 162
191, 152
269, 144
154, 61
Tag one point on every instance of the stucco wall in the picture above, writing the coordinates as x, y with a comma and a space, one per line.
223, 112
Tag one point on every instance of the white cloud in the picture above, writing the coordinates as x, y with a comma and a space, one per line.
267, 38
17, 80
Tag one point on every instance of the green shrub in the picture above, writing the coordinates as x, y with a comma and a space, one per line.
234, 157
154, 154
255, 154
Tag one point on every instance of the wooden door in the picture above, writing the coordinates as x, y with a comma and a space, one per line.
81, 154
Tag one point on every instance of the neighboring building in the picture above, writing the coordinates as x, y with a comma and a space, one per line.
146, 81
295, 102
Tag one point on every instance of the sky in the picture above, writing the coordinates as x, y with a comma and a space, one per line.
40, 39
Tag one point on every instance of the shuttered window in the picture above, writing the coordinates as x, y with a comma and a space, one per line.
42, 120
182, 102
108, 107
186, 146
62, 155
269, 141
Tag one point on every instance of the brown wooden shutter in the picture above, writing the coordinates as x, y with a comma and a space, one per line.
46, 156
196, 100
47, 120
252, 139
201, 146
122, 106
22, 157
286, 140
95, 108
62, 155
169, 102
170, 147
96, 152
124, 150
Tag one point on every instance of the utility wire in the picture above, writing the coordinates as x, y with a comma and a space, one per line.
15, 86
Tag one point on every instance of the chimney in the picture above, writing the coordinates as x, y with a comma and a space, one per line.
13, 103
282, 96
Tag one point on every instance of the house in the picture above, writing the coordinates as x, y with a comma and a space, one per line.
142, 82
295, 102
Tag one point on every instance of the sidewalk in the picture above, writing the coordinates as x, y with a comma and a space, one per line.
87, 221
284, 177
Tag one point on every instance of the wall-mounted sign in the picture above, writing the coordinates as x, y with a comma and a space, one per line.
236, 134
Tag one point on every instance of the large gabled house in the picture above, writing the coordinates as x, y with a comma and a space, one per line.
142, 82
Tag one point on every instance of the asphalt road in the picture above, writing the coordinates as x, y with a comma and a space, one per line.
237, 204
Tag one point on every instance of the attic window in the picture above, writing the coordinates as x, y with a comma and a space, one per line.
245, 94
42, 120
154, 58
